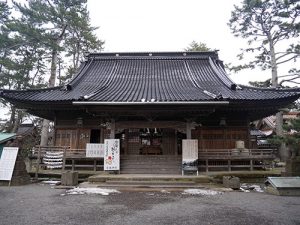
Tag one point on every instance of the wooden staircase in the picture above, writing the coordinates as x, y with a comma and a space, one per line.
150, 164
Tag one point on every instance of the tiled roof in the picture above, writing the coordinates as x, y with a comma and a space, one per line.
153, 77
6, 137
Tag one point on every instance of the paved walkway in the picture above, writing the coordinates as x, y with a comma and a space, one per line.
40, 204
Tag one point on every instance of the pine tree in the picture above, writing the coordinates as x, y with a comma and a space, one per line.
197, 47
266, 24
46, 31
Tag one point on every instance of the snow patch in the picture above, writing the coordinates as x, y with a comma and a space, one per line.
51, 182
98, 191
244, 190
151, 194
251, 187
203, 192
256, 188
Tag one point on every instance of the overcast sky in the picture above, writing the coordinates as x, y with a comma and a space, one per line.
170, 25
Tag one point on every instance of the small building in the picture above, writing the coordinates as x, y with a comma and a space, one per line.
287, 186
4, 138
151, 102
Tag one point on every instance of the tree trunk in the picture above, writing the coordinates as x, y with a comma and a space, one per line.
279, 119
45, 126
12, 119
17, 122
273, 66
45, 133
279, 116
52, 78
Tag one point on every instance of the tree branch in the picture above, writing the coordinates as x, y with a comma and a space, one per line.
63, 31
294, 57
285, 54
288, 75
290, 80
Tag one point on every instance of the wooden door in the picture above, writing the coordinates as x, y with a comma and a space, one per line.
83, 138
66, 137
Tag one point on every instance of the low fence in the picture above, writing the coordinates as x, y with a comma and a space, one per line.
229, 159
237, 153
63, 157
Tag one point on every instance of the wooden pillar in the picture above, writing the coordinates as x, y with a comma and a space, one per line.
229, 165
188, 130
54, 133
175, 143
126, 142
248, 134
95, 165
64, 159
101, 135
112, 129
251, 164
79, 124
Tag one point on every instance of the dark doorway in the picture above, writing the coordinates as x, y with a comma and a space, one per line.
95, 136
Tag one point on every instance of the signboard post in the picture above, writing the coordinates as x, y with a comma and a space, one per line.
94, 150
7, 163
189, 155
111, 154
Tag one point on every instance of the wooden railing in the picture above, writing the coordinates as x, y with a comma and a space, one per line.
235, 153
41, 150
210, 158
70, 158
233, 158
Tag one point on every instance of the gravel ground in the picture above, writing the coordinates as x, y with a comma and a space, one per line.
40, 204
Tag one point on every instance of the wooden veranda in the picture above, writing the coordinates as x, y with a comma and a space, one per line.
209, 160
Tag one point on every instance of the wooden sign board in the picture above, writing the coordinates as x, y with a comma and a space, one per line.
94, 150
7, 162
111, 154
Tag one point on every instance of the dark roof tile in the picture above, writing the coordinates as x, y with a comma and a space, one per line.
163, 77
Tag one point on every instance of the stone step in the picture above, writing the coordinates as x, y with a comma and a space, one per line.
147, 182
150, 162
149, 169
137, 164
150, 159
153, 178
141, 165
161, 186
134, 171
145, 187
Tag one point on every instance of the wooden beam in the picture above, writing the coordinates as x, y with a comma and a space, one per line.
150, 124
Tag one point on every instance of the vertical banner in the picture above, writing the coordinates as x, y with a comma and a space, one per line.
7, 162
111, 154
190, 155
94, 150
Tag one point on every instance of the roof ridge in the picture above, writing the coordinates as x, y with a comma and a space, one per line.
80, 74
155, 53
222, 76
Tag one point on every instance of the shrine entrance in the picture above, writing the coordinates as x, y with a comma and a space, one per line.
151, 141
